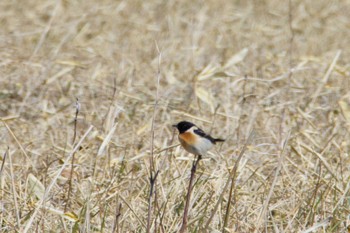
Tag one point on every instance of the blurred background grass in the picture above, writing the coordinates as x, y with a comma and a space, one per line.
225, 65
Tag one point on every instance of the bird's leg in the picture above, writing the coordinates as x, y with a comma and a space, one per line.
195, 163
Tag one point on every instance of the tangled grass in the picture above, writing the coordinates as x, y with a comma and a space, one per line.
275, 70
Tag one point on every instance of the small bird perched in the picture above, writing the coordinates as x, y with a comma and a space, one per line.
194, 140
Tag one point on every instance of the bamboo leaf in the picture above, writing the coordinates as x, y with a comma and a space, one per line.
206, 97
237, 58
35, 186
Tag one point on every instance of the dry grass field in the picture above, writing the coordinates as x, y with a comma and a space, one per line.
271, 77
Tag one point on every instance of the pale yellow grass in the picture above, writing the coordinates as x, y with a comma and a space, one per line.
231, 67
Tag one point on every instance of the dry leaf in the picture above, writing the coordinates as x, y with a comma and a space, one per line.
344, 104
209, 71
114, 112
170, 77
143, 128
70, 63
34, 186
106, 140
71, 216
59, 74
206, 97
237, 58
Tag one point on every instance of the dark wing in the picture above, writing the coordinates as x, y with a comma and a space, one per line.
203, 134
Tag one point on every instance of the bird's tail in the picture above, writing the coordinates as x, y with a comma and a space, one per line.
219, 140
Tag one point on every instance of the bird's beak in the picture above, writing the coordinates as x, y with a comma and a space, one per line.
174, 126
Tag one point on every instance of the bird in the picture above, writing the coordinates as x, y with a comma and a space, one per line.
194, 140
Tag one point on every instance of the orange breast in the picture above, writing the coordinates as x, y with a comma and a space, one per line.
188, 138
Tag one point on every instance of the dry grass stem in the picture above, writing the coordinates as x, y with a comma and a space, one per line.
232, 175
77, 109
54, 180
189, 193
14, 193
263, 214
153, 171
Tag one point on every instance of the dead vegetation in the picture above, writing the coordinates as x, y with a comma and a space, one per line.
278, 69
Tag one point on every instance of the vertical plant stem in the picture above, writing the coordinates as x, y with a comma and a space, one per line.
291, 40
153, 173
231, 176
233, 187
77, 109
189, 192
228, 207
14, 192
3, 162
116, 220
262, 215
41, 202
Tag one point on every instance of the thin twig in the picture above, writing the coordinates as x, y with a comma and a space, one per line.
47, 28
132, 211
3, 162
159, 214
310, 218
116, 220
232, 173
77, 109
18, 143
14, 193
291, 41
48, 189
320, 224
189, 192
325, 78
153, 173
242, 107
274, 182
228, 207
